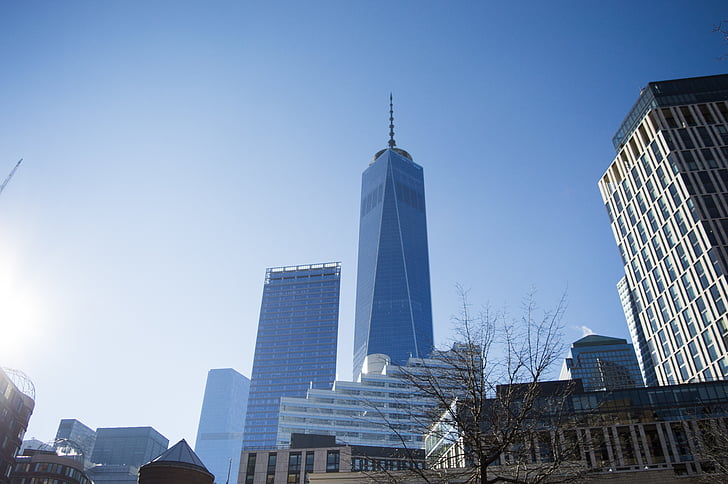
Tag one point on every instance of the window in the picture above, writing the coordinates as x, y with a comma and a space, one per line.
271, 469
294, 467
332, 461
250, 469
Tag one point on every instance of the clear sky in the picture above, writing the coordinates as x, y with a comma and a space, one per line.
173, 150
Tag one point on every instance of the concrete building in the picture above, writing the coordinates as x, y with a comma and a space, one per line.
222, 421
393, 303
310, 454
602, 363
17, 400
666, 197
295, 349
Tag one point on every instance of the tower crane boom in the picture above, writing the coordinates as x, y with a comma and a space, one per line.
12, 172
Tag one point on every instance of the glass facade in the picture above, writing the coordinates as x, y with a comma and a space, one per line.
393, 304
602, 363
79, 435
666, 194
222, 421
296, 345
132, 446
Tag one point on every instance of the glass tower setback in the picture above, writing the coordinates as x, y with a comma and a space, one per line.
602, 363
222, 421
296, 345
666, 195
393, 304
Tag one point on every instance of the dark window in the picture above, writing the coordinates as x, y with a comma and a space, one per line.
332, 461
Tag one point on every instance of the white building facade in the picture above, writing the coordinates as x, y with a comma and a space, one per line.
666, 193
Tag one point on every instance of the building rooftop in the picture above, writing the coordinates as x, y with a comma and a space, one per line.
671, 93
597, 340
180, 453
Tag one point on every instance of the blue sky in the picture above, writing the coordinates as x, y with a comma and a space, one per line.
174, 150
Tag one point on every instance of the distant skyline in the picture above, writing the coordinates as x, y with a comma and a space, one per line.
171, 147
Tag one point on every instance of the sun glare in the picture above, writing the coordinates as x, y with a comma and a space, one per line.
20, 311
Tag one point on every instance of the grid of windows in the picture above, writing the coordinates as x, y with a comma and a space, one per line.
296, 344
393, 303
666, 194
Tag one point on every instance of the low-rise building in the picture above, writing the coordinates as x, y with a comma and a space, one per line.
310, 454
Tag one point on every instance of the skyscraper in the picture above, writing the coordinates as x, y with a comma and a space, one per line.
393, 305
222, 421
602, 363
666, 193
296, 345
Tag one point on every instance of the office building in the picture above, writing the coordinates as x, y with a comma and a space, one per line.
17, 400
649, 434
127, 446
296, 344
73, 433
393, 303
666, 196
309, 454
178, 465
384, 408
47, 467
222, 421
602, 363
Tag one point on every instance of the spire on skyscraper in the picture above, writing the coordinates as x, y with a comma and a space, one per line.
392, 143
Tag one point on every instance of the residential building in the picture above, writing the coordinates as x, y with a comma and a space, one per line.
178, 465
666, 197
637, 333
393, 302
17, 400
127, 446
602, 363
47, 467
74, 433
295, 349
628, 435
222, 422
310, 454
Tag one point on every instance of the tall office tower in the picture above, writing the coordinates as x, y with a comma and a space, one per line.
641, 348
222, 421
666, 193
130, 446
73, 432
296, 345
393, 306
602, 363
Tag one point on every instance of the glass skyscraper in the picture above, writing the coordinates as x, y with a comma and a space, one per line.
393, 304
602, 363
666, 194
296, 345
222, 421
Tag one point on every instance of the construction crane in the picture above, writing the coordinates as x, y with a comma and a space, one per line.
12, 172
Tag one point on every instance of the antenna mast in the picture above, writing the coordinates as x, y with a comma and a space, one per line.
12, 172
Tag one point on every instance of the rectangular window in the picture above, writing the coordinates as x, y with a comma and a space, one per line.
332, 461
250, 469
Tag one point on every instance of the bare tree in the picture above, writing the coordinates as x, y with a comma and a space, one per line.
491, 415
722, 29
